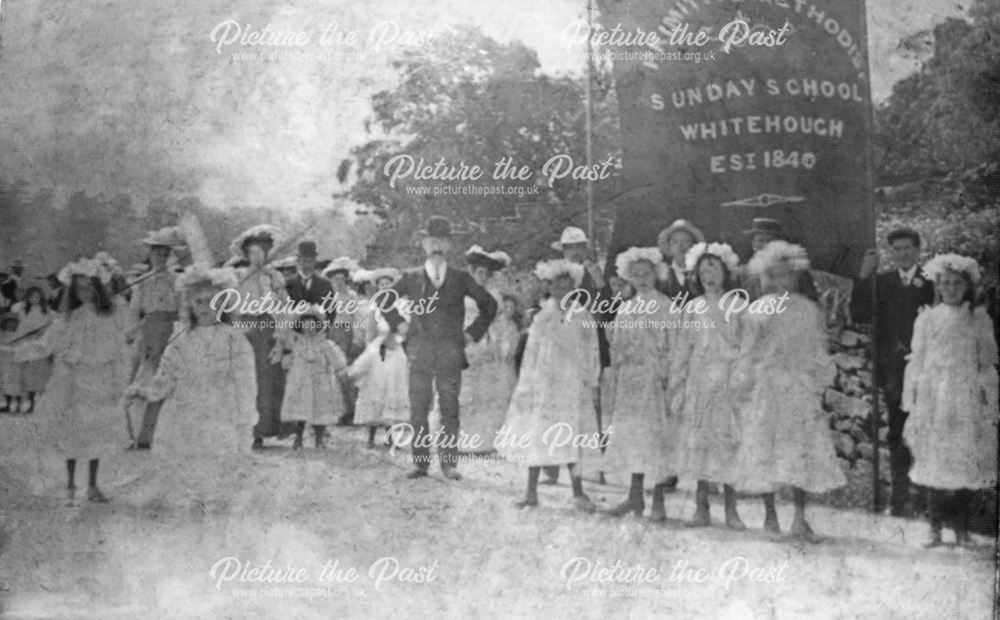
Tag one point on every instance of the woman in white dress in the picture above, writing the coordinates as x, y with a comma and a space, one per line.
643, 432
489, 380
552, 407
207, 383
782, 371
950, 391
703, 359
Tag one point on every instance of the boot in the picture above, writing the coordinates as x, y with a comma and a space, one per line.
770, 515
701, 518
94, 495
658, 512
635, 502
733, 520
320, 436
934, 540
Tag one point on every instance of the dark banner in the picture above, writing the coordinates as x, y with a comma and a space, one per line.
732, 110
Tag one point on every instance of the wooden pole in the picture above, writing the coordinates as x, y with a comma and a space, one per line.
588, 114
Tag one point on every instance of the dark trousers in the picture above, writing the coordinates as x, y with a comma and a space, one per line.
270, 378
157, 327
900, 457
437, 367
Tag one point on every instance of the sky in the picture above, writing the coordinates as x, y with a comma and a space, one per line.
139, 96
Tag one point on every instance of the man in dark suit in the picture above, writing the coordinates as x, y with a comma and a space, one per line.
435, 340
899, 293
674, 243
306, 284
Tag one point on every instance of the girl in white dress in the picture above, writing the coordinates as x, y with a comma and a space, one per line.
950, 390
35, 318
554, 397
782, 370
703, 359
207, 381
81, 407
380, 372
643, 432
316, 367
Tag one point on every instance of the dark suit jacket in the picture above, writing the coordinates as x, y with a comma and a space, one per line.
442, 326
894, 313
671, 287
319, 287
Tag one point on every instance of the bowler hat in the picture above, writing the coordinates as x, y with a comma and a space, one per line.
437, 226
765, 225
307, 249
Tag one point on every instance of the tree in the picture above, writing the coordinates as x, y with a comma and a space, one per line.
469, 99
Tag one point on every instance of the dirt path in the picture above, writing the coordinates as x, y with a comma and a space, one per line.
460, 549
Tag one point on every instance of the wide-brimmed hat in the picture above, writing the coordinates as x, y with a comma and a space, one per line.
684, 225
307, 249
551, 269
494, 261
765, 225
571, 235
651, 255
169, 237
261, 233
384, 272
342, 264
288, 262
778, 253
437, 226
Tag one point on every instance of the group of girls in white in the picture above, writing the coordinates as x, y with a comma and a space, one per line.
730, 401
737, 402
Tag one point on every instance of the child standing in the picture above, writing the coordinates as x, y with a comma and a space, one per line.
699, 383
11, 384
35, 316
82, 403
208, 386
559, 373
950, 391
644, 432
380, 372
316, 367
782, 370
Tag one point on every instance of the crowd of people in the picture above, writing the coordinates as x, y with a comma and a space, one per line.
645, 393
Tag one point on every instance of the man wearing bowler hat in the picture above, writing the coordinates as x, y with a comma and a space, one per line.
435, 341
306, 284
764, 230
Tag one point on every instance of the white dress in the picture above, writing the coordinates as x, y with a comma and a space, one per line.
489, 380
709, 429
643, 434
553, 401
383, 383
950, 390
313, 392
207, 379
784, 364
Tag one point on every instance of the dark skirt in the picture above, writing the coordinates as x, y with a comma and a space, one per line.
270, 377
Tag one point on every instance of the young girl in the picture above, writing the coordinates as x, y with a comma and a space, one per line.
91, 362
316, 367
35, 316
643, 434
782, 370
207, 383
950, 390
554, 391
699, 383
380, 372
11, 383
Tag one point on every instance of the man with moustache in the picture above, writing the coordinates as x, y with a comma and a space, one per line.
674, 243
435, 341
899, 294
